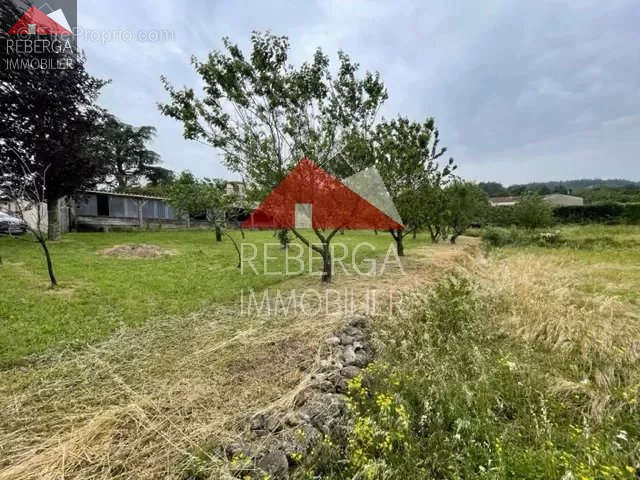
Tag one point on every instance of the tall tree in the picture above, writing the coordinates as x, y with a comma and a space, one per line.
265, 115
406, 154
466, 203
124, 149
49, 119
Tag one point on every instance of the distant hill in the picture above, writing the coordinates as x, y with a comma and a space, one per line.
592, 189
585, 183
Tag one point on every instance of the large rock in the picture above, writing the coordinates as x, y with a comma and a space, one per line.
325, 410
359, 321
346, 339
349, 355
275, 463
300, 440
362, 359
350, 372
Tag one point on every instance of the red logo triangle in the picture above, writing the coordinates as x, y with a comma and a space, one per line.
42, 25
330, 203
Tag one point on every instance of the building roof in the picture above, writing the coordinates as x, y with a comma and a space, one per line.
504, 200
129, 195
561, 195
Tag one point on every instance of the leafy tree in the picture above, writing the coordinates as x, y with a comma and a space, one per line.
493, 189
265, 115
159, 180
466, 203
532, 212
124, 150
406, 155
49, 119
433, 214
183, 194
192, 197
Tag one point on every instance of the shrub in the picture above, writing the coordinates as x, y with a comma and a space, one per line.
501, 216
532, 212
600, 213
500, 237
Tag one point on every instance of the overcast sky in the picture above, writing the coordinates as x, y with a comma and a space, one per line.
521, 91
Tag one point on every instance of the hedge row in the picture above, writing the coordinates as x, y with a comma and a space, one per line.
609, 213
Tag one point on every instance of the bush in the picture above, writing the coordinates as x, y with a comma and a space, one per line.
501, 216
532, 212
602, 213
500, 237
608, 213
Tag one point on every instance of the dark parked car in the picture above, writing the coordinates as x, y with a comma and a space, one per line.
11, 225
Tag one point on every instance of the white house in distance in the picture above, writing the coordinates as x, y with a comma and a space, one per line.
555, 200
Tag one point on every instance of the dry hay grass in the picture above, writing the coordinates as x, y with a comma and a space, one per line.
153, 402
540, 302
136, 250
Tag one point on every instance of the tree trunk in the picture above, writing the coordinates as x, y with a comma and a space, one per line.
399, 243
327, 271
52, 277
242, 233
433, 234
415, 234
218, 233
453, 238
398, 237
325, 251
53, 227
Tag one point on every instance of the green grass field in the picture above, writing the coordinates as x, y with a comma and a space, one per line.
514, 362
98, 293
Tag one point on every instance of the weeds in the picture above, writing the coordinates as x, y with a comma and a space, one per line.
470, 389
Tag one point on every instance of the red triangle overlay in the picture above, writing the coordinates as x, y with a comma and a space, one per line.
44, 25
334, 205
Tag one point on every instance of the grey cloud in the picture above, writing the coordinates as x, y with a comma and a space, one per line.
521, 90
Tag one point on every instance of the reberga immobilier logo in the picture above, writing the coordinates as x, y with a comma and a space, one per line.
310, 197
39, 36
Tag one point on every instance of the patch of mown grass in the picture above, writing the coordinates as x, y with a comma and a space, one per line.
458, 395
99, 294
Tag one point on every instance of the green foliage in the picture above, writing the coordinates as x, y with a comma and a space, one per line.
124, 150
608, 194
453, 398
280, 113
493, 189
406, 155
532, 212
197, 197
500, 237
608, 213
502, 216
466, 204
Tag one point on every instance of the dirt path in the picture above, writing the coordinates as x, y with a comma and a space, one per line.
153, 402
